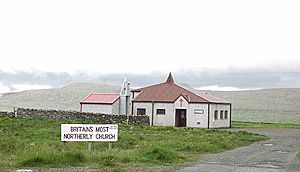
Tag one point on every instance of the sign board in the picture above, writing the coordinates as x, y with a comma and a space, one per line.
89, 133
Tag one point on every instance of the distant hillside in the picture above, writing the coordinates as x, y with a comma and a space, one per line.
65, 98
268, 105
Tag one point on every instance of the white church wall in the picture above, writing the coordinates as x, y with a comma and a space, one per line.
219, 123
197, 115
145, 105
116, 107
168, 119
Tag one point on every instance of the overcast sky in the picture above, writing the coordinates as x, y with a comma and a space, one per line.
200, 41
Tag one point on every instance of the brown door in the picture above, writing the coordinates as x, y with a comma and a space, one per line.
180, 118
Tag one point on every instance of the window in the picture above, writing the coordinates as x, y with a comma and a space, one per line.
221, 114
160, 111
198, 123
198, 111
141, 111
216, 114
226, 114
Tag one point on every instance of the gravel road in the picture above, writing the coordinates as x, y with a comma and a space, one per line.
275, 155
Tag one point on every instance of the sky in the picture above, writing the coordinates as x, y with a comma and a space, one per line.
199, 41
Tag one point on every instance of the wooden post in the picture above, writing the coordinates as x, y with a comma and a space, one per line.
64, 146
127, 121
15, 112
89, 146
109, 146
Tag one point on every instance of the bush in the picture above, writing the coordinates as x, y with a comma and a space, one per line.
54, 159
109, 160
160, 155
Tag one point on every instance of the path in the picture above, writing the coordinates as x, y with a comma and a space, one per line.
275, 155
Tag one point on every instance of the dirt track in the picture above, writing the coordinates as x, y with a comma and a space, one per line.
275, 155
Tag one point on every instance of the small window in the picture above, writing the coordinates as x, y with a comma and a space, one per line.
141, 111
221, 114
198, 111
160, 111
198, 123
226, 114
216, 114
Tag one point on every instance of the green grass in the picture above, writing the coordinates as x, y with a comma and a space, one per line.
35, 143
240, 124
298, 154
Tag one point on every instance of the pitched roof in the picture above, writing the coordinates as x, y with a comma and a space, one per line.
100, 98
169, 91
205, 95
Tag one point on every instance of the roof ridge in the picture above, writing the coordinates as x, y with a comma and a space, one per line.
192, 92
147, 87
197, 92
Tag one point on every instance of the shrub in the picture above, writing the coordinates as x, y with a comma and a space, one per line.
109, 160
53, 159
160, 155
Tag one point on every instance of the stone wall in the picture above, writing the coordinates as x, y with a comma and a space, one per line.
74, 115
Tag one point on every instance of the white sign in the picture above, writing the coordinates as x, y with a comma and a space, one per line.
89, 133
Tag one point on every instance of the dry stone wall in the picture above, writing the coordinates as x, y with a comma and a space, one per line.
74, 115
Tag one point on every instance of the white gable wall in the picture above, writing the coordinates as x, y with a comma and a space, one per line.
193, 119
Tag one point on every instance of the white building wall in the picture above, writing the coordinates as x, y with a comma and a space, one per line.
122, 105
97, 108
219, 123
197, 120
164, 120
146, 105
116, 107
192, 119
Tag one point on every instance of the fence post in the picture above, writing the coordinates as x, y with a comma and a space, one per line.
90, 146
15, 112
109, 146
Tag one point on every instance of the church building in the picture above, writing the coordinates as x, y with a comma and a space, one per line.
166, 104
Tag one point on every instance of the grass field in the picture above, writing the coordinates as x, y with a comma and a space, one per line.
33, 143
240, 124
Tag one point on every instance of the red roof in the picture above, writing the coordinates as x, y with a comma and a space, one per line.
100, 98
169, 91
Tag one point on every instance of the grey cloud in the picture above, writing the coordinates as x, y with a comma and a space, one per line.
240, 78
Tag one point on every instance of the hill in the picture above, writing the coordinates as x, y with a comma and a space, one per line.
267, 105
65, 98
